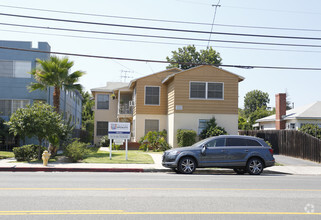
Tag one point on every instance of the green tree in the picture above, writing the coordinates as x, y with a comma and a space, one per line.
40, 121
259, 113
212, 129
87, 105
55, 72
243, 124
311, 129
4, 131
188, 57
254, 100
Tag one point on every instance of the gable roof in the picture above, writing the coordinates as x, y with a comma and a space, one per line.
311, 111
240, 78
175, 70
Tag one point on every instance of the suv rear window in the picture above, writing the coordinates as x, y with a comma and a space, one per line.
252, 143
241, 142
233, 142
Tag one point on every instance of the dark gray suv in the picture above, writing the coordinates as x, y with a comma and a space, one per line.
244, 154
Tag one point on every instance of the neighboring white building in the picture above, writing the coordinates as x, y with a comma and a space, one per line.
294, 118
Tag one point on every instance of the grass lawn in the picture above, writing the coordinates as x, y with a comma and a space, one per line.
119, 156
6, 154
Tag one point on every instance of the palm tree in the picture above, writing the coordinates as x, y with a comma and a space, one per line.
55, 72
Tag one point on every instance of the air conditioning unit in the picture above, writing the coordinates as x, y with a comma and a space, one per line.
131, 103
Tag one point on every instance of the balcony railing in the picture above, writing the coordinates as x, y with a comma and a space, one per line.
125, 109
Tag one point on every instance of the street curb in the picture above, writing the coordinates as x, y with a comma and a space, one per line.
56, 169
120, 170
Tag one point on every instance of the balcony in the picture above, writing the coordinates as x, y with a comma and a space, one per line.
125, 109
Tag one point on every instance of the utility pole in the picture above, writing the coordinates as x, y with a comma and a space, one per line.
216, 6
124, 75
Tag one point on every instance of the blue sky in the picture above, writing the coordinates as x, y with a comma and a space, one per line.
303, 87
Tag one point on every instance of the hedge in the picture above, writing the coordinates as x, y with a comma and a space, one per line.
185, 137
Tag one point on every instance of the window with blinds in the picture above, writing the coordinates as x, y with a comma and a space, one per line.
15, 69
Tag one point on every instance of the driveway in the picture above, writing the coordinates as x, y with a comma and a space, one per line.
292, 161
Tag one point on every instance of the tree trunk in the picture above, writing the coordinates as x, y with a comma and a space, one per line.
56, 99
39, 148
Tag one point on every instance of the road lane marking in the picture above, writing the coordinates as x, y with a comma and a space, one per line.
168, 189
121, 212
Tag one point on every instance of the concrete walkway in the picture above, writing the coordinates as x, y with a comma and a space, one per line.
293, 165
290, 166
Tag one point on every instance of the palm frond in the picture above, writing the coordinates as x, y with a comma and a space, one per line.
35, 86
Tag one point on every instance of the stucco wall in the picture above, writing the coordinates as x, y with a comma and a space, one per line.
191, 121
108, 115
140, 124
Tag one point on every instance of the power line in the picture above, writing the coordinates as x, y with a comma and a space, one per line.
161, 61
157, 42
163, 20
107, 16
161, 29
164, 37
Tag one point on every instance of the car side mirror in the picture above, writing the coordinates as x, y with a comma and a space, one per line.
203, 151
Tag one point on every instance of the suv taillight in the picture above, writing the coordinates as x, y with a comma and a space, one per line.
271, 151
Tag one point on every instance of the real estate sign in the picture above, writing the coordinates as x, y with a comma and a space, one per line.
119, 130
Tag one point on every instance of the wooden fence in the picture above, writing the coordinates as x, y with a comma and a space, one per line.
290, 143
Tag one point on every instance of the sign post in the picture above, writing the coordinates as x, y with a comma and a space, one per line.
118, 130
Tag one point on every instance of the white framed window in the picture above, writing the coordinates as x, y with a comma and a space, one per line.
8, 107
207, 90
102, 101
15, 69
198, 90
5, 107
292, 126
6, 68
151, 125
202, 124
22, 69
16, 104
152, 95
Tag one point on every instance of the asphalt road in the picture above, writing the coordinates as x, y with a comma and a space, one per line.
158, 196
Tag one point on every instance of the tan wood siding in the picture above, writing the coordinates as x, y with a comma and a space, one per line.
206, 74
171, 97
152, 80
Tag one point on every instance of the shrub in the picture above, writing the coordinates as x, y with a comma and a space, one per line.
212, 129
154, 140
76, 151
104, 141
311, 129
185, 137
116, 146
27, 152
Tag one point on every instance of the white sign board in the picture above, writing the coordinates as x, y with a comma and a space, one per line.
119, 141
118, 130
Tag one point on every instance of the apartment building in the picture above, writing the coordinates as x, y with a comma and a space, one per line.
171, 99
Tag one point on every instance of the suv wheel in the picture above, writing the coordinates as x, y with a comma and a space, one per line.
186, 165
254, 166
240, 171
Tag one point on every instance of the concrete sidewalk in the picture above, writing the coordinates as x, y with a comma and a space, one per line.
290, 166
297, 166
